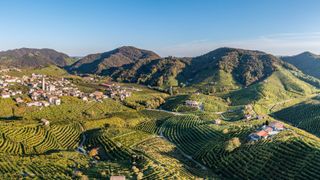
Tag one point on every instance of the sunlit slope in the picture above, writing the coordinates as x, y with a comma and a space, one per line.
281, 85
292, 154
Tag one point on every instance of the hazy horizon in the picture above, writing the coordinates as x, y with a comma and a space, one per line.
176, 28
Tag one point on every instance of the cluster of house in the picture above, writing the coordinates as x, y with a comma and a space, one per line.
116, 91
5, 83
45, 91
267, 131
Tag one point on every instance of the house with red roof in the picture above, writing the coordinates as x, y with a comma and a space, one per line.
267, 131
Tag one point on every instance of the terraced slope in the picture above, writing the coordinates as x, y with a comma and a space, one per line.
289, 155
38, 139
305, 115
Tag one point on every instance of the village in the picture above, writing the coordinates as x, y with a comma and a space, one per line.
43, 91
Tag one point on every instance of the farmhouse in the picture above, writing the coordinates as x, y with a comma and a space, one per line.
97, 95
35, 103
191, 103
54, 100
267, 131
45, 103
19, 100
5, 95
258, 135
45, 122
277, 126
217, 121
248, 116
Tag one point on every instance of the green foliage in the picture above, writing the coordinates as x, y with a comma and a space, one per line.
38, 139
146, 98
210, 103
280, 86
74, 109
159, 72
207, 144
232, 144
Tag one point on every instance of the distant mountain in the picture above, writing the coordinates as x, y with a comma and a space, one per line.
102, 62
244, 67
307, 62
162, 72
244, 76
32, 58
72, 60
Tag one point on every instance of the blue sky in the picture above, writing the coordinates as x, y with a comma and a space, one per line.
168, 27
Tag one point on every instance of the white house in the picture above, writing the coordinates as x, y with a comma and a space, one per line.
192, 103
5, 95
45, 122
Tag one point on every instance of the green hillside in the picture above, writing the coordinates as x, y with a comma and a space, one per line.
307, 62
184, 118
205, 142
51, 70
32, 58
281, 86
304, 115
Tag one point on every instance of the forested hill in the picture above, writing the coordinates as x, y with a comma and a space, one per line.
97, 63
32, 58
307, 62
243, 67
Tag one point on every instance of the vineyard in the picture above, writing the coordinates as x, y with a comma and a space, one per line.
287, 156
155, 144
38, 139
305, 115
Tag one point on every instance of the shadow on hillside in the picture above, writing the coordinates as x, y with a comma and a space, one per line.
11, 118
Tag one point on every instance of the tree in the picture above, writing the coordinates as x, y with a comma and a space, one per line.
139, 175
93, 152
135, 169
267, 123
232, 144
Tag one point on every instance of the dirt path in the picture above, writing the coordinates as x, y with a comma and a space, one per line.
161, 110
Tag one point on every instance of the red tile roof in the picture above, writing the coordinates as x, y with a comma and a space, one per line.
117, 178
277, 125
262, 133
268, 129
